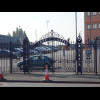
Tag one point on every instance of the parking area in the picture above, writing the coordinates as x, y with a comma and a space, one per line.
61, 59
62, 63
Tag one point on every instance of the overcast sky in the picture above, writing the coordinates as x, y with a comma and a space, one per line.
61, 22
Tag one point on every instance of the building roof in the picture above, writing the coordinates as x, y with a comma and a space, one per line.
8, 39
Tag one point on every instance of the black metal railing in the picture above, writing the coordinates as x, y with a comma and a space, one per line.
67, 56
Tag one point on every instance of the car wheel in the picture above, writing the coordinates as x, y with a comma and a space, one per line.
21, 67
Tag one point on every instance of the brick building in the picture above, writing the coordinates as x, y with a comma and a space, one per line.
91, 25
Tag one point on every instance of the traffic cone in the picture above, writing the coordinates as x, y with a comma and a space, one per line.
1, 76
46, 74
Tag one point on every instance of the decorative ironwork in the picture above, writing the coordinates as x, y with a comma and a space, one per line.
79, 54
52, 36
25, 55
88, 54
95, 57
64, 55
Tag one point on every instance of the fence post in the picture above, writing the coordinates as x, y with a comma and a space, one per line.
79, 54
11, 50
25, 55
95, 55
52, 50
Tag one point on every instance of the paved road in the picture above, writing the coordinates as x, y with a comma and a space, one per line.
6, 84
55, 77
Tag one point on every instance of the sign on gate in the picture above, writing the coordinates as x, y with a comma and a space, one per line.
88, 54
99, 49
64, 47
64, 53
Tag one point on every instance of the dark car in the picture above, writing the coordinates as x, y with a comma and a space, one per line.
37, 61
18, 51
6, 54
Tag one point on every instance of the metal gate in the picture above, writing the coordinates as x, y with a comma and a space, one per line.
88, 58
62, 52
91, 57
9, 57
68, 56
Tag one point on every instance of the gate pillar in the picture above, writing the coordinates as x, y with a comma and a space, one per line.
25, 55
79, 54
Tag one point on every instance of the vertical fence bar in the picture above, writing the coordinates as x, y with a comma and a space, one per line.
11, 57
95, 56
25, 55
52, 49
79, 54
99, 58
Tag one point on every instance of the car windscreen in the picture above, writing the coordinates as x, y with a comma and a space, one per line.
35, 58
45, 58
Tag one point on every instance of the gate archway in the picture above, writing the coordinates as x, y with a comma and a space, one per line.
52, 36
63, 52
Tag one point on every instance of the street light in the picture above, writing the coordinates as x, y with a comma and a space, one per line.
47, 25
76, 41
76, 24
36, 34
47, 29
90, 28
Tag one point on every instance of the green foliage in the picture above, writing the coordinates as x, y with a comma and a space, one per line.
9, 34
19, 33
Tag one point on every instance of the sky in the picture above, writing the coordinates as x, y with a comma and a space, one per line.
61, 22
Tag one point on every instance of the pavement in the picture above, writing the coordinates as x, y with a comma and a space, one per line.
28, 84
56, 77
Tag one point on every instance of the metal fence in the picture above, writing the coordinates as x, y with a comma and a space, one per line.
76, 57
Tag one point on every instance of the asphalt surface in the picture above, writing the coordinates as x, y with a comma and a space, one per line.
38, 77
28, 84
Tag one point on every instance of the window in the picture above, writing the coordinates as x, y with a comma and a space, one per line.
88, 26
43, 57
94, 26
93, 13
35, 58
88, 13
99, 25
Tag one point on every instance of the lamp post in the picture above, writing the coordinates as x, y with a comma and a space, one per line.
76, 24
36, 34
90, 29
47, 25
76, 43
47, 29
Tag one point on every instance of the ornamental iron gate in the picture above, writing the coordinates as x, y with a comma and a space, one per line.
62, 52
68, 56
79, 54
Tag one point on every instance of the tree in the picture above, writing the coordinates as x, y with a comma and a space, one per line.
14, 34
19, 33
68, 39
9, 34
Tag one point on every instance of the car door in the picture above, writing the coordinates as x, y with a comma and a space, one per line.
41, 61
1, 53
34, 61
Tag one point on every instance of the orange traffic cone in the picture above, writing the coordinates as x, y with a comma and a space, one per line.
1, 76
46, 74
